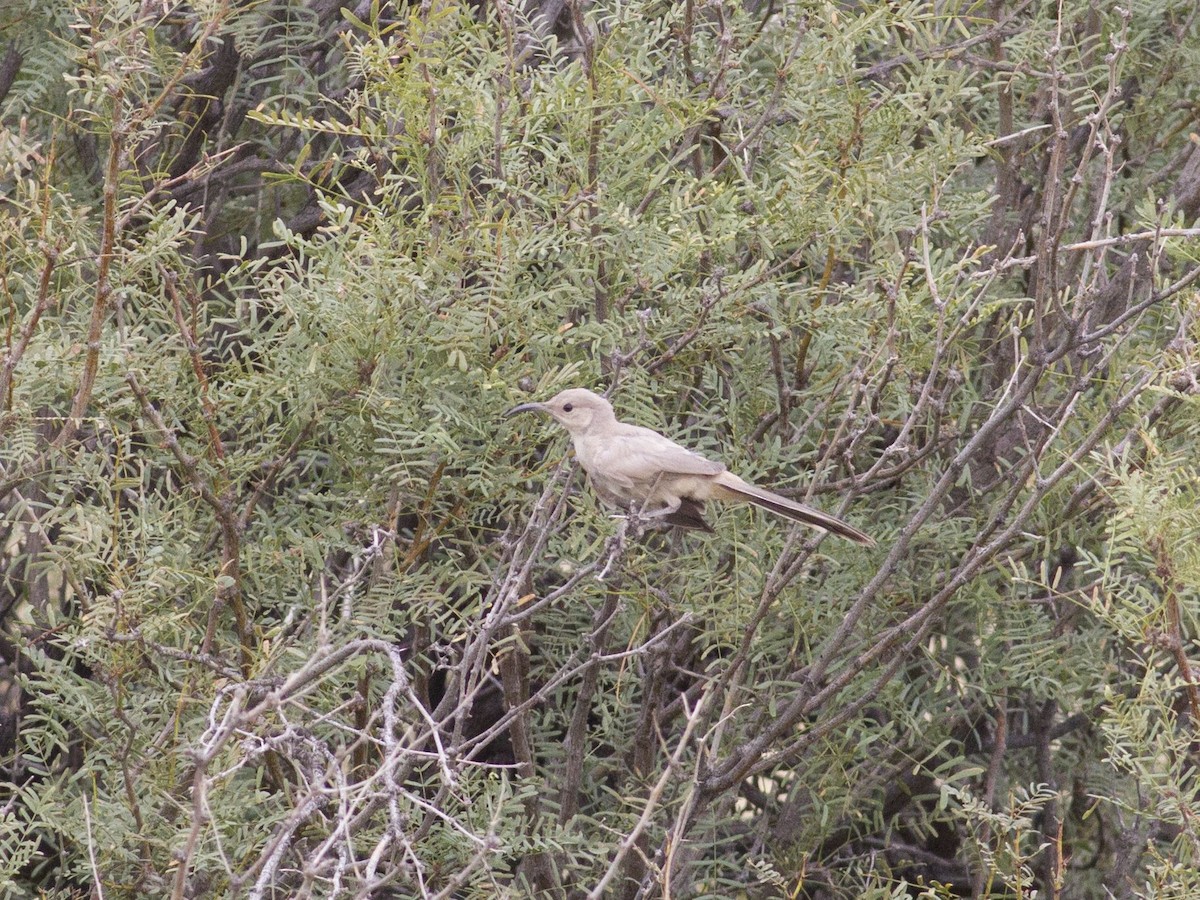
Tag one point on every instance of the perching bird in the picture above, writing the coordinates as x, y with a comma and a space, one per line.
638, 469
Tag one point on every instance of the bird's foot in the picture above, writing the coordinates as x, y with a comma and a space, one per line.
632, 525
635, 524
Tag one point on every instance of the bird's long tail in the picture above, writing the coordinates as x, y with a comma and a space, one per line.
731, 487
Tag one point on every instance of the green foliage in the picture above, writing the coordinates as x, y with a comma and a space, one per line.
290, 609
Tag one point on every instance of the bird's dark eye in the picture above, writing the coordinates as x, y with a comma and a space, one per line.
567, 407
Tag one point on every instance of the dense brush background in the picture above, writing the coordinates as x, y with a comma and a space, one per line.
287, 609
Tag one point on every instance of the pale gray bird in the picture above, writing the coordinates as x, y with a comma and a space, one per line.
638, 469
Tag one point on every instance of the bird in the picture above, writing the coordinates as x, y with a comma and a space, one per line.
648, 474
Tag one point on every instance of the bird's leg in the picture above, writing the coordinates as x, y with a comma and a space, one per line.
672, 506
673, 503
641, 516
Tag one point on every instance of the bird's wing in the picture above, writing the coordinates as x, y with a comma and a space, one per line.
640, 455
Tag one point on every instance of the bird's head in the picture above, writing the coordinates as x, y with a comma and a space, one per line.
575, 409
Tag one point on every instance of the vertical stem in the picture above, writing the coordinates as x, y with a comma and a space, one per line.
16, 351
587, 38
103, 295
576, 740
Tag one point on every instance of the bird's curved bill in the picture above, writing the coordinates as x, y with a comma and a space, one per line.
526, 407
